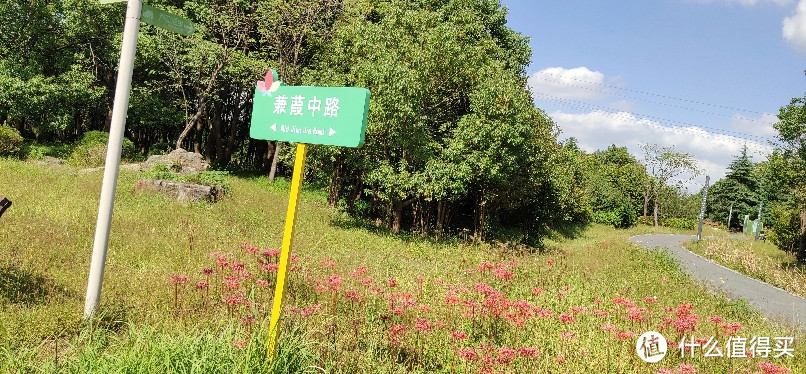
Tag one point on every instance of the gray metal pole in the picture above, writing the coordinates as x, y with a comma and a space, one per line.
758, 226
702, 207
107, 199
730, 215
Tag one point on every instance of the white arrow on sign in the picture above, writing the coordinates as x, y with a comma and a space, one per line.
273, 127
332, 132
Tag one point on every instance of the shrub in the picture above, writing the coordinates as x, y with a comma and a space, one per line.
677, 223
10, 140
784, 229
160, 148
91, 149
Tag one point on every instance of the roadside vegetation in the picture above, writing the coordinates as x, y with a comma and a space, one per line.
757, 259
194, 297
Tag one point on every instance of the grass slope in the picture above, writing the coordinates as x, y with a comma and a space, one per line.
359, 300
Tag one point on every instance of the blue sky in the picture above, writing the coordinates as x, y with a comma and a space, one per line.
706, 76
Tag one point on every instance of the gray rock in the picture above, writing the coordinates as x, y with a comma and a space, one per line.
51, 161
129, 167
182, 192
179, 161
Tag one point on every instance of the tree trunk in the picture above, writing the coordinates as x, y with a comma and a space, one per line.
655, 212
802, 243
202, 103
273, 170
646, 200
335, 182
397, 216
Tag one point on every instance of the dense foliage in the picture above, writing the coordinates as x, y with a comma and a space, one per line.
454, 142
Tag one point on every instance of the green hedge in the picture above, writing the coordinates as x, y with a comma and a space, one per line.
678, 223
90, 151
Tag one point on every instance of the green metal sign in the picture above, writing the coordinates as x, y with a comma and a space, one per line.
311, 115
168, 21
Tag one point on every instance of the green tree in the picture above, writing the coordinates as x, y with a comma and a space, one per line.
738, 189
789, 161
664, 164
616, 186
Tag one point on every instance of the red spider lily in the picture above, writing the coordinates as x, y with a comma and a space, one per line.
537, 291
597, 301
367, 281
248, 319
716, 319
560, 295
293, 258
240, 344
731, 328
353, 296
627, 303
397, 329
567, 318
650, 299
422, 325
270, 252
359, 272
327, 262
467, 354
528, 352
624, 335
334, 281
177, 279
309, 310
451, 298
261, 283
484, 266
687, 369
560, 359
506, 355
770, 368
458, 335
252, 250
270, 267
579, 309
609, 327
503, 273
391, 282
246, 274
550, 262
567, 335
202, 285
238, 266
600, 313
207, 271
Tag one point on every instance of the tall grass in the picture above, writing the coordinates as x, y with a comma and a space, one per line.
759, 260
153, 319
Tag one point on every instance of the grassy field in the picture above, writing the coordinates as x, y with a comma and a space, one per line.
188, 289
758, 259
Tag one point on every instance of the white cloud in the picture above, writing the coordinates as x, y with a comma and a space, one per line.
761, 126
713, 152
794, 28
576, 84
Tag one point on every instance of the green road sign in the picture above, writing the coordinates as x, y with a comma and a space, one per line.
311, 115
168, 21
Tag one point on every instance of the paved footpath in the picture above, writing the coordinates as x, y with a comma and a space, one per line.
769, 300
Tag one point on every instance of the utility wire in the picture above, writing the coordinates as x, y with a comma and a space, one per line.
538, 74
558, 100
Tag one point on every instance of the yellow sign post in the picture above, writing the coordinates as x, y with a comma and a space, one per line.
340, 110
285, 252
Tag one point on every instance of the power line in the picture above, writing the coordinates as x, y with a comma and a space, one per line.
583, 105
658, 124
538, 74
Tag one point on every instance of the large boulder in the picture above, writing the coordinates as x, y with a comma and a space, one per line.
182, 192
179, 161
